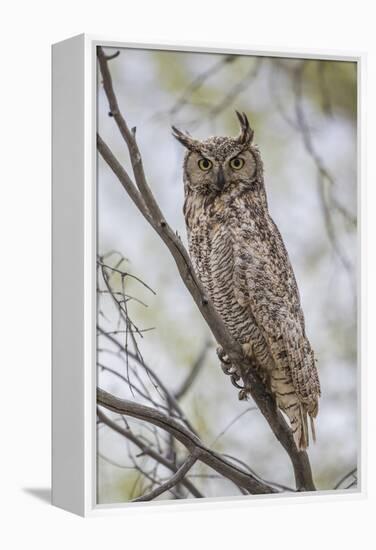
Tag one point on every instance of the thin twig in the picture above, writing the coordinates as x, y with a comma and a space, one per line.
158, 384
232, 423
199, 81
352, 472
172, 482
193, 373
125, 274
237, 89
323, 175
147, 450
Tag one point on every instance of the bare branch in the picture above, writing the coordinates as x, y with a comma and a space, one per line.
234, 92
199, 81
116, 54
351, 473
237, 89
233, 422
174, 480
129, 138
246, 466
326, 102
125, 274
323, 175
147, 450
192, 443
123, 177
158, 382
193, 373
139, 391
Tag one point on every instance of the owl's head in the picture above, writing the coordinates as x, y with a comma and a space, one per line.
220, 165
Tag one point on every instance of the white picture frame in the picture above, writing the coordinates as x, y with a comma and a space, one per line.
74, 274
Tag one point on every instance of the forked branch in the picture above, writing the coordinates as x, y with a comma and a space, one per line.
172, 482
192, 443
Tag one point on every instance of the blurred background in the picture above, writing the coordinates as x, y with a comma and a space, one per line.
304, 116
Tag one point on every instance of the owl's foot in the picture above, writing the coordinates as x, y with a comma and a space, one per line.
233, 373
235, 377
243, 394
223, 357
230, 370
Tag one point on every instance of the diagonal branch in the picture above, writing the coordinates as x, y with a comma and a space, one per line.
193, 373
237, 89
352, 473
147, 451
149, 208
192, 443
171, 400
124, 179
172, 482
323, 175
199, 81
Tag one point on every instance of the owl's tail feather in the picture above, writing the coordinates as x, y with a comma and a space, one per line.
301, 435
296, 411
303, 441
313, 428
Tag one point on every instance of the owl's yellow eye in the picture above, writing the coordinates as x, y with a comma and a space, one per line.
237, 163
205, 164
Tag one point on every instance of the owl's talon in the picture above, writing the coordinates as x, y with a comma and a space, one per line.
222, 356
243, 394
227, 369
234, 380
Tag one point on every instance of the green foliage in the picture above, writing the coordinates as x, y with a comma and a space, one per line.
332, 86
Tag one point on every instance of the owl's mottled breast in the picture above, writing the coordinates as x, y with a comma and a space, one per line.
212, 235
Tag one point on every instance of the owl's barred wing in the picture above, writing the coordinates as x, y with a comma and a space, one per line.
301, 361
264, 282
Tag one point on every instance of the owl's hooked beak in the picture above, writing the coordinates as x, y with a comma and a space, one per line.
220, 183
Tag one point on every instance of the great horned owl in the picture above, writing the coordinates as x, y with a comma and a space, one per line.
241, 260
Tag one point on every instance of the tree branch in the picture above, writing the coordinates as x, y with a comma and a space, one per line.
148, 207
170, 483
323, 174
199, 81
147, 451
351, 473
192, 375
173, 403
192, 443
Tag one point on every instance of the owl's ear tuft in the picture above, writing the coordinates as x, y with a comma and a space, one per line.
185, 139
246, 133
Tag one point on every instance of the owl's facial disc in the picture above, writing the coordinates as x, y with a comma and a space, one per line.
209, 174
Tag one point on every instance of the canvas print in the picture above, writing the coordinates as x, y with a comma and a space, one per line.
226, 275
